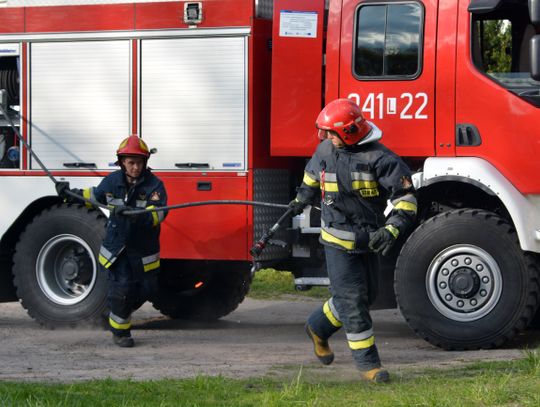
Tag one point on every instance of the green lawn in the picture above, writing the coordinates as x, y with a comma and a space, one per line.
512, 383
273, 284
515, 383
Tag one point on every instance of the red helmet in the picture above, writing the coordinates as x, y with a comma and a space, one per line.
344, 117
133, 145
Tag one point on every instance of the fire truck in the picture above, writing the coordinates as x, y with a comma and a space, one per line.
227, 91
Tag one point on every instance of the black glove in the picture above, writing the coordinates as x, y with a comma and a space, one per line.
297, 207
382, 240
61, 188
118, 210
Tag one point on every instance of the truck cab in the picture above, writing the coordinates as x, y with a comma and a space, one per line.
454, 88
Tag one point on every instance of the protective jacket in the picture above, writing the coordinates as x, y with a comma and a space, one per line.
139, 233
356, 183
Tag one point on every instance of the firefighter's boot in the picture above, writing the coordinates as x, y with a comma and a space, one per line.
377, 375
123, 341
320, 347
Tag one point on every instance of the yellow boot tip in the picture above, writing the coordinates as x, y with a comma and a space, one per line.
320, 347
377, 375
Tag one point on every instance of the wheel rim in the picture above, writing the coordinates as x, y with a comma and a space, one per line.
66, 269
464, 283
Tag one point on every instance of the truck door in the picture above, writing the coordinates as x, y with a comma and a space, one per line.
498, 102
387, 60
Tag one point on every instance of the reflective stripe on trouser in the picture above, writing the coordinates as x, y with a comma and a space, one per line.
129, 288
324, 321
119, 326
352, 285
106, 258
151, 262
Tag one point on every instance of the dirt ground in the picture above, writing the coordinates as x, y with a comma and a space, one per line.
261, 338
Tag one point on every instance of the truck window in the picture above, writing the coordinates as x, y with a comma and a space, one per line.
500, 49
388, 41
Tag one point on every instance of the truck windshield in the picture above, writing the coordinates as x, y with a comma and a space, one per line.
501, 48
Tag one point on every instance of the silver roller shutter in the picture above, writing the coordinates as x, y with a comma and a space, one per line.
194, 102
79, 101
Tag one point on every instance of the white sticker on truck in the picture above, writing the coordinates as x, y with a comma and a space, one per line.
298, 24
407, 106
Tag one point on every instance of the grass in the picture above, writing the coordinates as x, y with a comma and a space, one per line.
514, 383
273, 284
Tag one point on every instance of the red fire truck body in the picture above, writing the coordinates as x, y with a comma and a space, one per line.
227, 91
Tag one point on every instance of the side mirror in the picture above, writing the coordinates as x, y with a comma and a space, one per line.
535, 57
534, 12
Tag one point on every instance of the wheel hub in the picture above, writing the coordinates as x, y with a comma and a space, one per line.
66, 269
464, 282
69, 269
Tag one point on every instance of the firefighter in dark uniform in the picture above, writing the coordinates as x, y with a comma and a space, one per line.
130, 250
356, 176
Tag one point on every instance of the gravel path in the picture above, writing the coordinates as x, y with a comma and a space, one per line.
261, 338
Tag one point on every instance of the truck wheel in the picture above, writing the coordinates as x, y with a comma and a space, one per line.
204, 295
56, 270
462, 281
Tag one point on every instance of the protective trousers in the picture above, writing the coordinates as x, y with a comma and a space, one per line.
353, 284
129, 288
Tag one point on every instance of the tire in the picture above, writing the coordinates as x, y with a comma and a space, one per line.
56, 270
462, 281
218, 294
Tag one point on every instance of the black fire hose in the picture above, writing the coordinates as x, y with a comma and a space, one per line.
201, 203
258, 247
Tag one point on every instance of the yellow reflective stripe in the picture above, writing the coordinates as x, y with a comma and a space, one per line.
366, 343
87, 193
331, 186
368, 193
406, 206
363, 184
155, 217
116, 325
310, 181
151, 266
392, 229
347, 244
328, 312
104, 261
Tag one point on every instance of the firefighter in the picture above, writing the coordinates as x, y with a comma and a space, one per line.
355, 175
130, 250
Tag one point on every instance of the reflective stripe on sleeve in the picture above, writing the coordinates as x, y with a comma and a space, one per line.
88, 193
157, 216
329, 312
406, 203
115, 202
392, 229
309, 180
